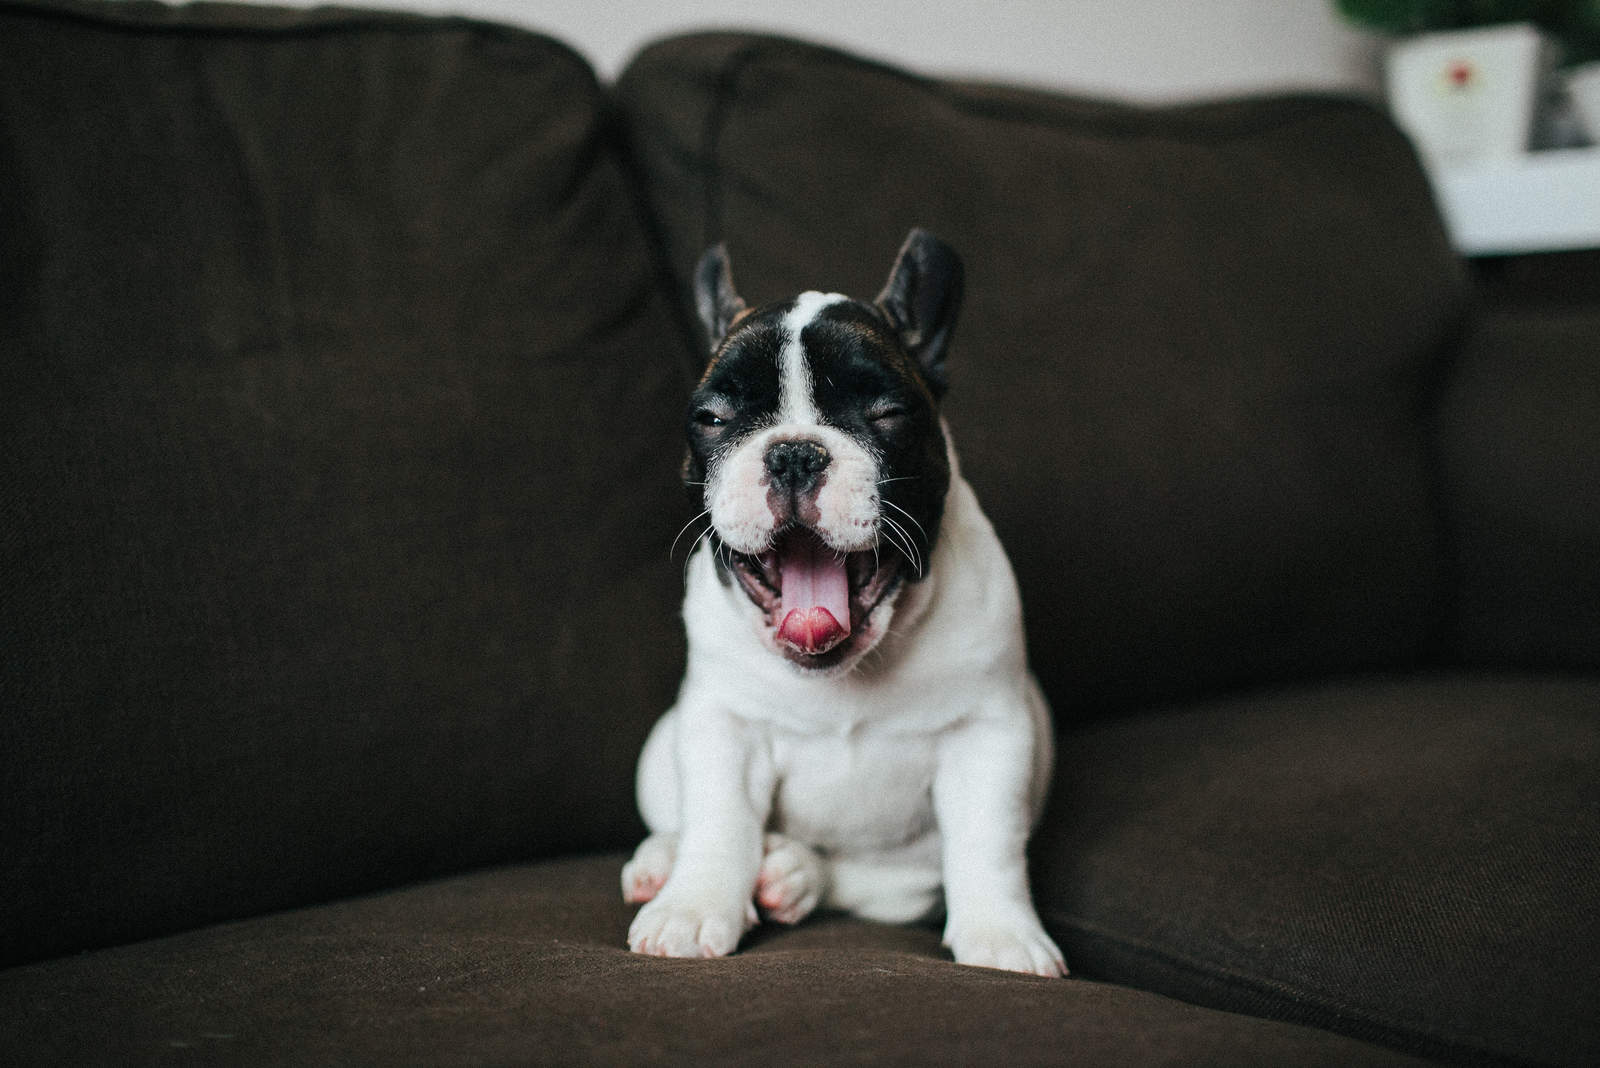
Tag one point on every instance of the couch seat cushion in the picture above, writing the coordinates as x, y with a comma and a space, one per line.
1414, 862
527, 965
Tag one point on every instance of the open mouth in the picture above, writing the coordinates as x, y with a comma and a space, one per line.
815, 598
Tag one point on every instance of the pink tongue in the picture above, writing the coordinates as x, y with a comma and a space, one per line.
815, 598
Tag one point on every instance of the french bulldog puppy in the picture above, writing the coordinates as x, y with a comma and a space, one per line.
857, 727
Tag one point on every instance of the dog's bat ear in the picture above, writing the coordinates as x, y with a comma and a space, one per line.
714, 295
922, 299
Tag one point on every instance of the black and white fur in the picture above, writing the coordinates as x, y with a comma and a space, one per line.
892, 766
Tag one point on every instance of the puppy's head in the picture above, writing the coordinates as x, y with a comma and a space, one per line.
815, 436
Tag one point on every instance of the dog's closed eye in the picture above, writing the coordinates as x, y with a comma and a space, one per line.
710, 417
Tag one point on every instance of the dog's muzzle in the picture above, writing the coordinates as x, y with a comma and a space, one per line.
814, 586
798, 516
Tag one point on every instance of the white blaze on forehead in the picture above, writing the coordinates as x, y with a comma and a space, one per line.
795, 401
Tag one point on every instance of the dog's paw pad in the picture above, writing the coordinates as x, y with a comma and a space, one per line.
791, 880
671, 929
1010, 947
645, 875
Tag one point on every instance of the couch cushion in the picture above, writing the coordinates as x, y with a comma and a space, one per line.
527, 966
1188, 370
338, 444
1411, 862
1520, 443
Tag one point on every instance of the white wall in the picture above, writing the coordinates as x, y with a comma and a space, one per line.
1151, 50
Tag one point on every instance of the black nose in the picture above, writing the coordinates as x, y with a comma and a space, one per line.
796, 465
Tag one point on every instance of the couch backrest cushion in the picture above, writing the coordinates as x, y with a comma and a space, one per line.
340, 412
1189, 369
1520, 445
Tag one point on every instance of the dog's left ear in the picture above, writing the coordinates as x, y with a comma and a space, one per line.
714, 295
922, 299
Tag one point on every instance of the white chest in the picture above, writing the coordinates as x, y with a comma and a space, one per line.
868, 791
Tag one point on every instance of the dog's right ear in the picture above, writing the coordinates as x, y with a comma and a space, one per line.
714, 295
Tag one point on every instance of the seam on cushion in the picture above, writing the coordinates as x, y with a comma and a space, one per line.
689, 363
1443, 646
1302, 1005
157, 19
1127, 120
716, 124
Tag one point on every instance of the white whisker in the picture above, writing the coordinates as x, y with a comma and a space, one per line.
908, 515
684, 530
911, 544
687, 560
896, 537
903, 541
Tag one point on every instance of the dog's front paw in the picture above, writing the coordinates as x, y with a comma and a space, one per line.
679, 926
645, 875
1014, 945
791, 880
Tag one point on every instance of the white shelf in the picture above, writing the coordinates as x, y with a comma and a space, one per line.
1540, 202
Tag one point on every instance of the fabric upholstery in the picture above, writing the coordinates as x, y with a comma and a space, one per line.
1521, 464
341, 367
339, 406
1408, 861
1188, 372
527, 965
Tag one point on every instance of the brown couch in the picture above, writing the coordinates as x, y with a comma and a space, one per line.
342, 366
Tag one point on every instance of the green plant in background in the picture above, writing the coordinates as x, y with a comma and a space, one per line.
1575, 23
1579, 30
